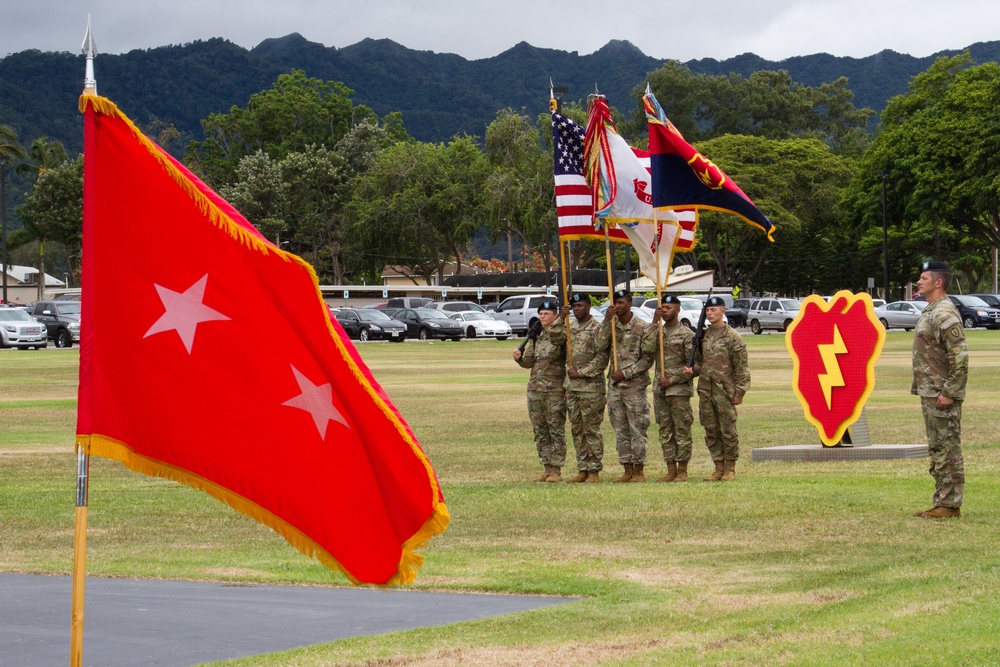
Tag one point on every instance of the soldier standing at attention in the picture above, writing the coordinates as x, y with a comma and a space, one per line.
628, 407
585, 393
940, 370
724, 377
672, 389
545, 355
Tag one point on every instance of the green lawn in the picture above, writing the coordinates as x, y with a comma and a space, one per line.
792, 564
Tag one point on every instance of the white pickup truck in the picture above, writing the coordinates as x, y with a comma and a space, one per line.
521, 312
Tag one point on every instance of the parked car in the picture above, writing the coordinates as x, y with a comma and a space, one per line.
772, 313
975, 312
455, 306
900, 314
521, 312
737, 314
427, 323
406, 302
688, 316
481, 325
992, 300
878, 303
19, 329
370, 324
61, 320
641, 313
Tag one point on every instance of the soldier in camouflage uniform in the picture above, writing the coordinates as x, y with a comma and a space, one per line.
672, 390
724, 377
940, 370
545, 355
628, 378
585, 397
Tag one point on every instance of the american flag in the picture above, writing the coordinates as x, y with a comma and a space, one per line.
574, 203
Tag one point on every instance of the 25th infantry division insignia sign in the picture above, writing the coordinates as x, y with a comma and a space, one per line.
834, 347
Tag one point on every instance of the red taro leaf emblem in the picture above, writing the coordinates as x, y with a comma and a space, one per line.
834, 347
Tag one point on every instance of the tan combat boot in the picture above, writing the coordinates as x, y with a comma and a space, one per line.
545, 475
637, 474
942, 513
729, 470
581, 476
682, 472
671, 472
717, 475
593, 477
628, 474
555, 474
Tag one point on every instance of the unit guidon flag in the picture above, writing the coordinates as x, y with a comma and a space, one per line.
209, 357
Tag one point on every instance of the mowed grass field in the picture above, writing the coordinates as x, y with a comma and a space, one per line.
792, 564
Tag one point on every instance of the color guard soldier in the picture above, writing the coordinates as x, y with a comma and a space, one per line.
672, 389
585, 391
628, 407
545, 355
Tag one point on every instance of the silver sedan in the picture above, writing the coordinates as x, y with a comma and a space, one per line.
900, 314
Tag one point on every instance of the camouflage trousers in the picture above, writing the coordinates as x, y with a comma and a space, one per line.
944, 442
628, 410
547, 410
674, 417
586, 414
717, 415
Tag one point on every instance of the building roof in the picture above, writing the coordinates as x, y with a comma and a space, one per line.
21, 273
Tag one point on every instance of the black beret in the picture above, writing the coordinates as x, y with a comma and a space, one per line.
938, 267
549, 305
623, 294
670, 298
577, 298
716, 301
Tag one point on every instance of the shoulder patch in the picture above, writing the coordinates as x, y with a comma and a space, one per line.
955, 331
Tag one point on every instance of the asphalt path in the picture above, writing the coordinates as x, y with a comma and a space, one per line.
130, 622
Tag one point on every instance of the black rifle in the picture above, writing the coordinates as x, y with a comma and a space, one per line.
532, 334
699, 333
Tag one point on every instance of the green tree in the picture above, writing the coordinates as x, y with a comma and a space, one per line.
416, 207
53, 211
936, 149
519, 190
10, 151
43, 154
297, 112
797, 183
260, 194
766, 104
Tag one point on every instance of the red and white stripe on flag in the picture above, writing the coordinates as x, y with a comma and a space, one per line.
575, 208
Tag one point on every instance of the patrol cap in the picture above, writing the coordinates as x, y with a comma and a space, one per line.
937, 267
715, 301
577, 298
548, 305
670, 298
623, 294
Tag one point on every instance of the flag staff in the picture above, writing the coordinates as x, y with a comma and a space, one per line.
82, 450
554, 106
659, 291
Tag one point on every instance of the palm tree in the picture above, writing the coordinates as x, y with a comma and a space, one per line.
44, 154
10, 150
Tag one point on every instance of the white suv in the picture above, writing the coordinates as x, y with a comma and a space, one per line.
772, 313
21, 330
521, 312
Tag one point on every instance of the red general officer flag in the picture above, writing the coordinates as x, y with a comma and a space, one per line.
207, 356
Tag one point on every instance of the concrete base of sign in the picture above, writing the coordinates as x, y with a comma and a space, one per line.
821, 453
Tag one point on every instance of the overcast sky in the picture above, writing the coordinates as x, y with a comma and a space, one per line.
774, 29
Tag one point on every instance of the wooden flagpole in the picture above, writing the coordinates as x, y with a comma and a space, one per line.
79, 556
566, 287
82, 451
611, 295
656, 256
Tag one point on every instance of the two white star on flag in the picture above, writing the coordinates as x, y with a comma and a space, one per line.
317, 400
184, 311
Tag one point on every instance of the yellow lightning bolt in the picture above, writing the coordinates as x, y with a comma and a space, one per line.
833, 377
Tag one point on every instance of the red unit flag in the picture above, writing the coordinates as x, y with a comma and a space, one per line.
208, 356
